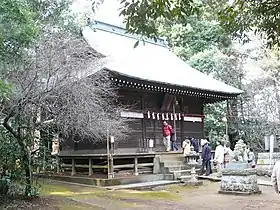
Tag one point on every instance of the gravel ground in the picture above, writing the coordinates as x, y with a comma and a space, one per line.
171, 197
205, 198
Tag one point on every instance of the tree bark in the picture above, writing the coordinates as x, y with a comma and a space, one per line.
27, 167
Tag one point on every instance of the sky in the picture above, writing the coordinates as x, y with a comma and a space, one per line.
107, 12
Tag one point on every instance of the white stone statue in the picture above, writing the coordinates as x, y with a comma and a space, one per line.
55, 145
240, 152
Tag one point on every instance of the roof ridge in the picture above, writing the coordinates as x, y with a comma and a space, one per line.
123, 32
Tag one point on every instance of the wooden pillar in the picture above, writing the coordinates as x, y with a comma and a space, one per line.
182, 121
202, 121
202, 125
143, 123
111, 167
154, 122
136, 166
73, 168
90, 166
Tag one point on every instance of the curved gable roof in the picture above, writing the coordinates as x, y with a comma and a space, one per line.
149, 61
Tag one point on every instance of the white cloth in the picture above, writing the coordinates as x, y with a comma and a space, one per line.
275, 177
186, 147
166, 142
219, 154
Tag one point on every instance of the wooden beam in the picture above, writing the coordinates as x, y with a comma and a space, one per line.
85, 166
140, 165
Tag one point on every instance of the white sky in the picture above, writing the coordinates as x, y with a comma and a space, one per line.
108, 12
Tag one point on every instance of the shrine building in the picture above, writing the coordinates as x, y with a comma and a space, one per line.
157, 85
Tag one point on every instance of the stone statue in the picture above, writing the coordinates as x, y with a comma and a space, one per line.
238, 178
55, 145
239, 152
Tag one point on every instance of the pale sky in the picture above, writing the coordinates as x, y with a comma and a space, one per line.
108, 12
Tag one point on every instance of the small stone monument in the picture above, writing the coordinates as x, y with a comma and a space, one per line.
192, 161
237, 177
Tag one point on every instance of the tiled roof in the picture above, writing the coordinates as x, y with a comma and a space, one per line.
149, 61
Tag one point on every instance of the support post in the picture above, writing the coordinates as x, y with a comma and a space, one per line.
110, 164
73, 173
111, 167
136, 166
174, 122
90, 167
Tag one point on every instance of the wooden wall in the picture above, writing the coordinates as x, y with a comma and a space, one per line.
141, 129
152, 128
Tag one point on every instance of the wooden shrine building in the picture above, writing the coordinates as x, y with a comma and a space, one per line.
157, 84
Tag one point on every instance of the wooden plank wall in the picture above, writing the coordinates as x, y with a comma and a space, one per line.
142, 129
152, 128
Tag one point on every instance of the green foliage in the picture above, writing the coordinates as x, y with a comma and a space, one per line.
237, 17
5, 90
11, 172
141, 16
214, 123
246, 15
194, 36
18, 27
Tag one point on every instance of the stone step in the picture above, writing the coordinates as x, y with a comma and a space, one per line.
172, 158
180, 173
170, 169
179, 168
174, 164
185, 178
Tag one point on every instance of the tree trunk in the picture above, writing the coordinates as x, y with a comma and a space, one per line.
26, 158
277, 98
27, 167
232, 122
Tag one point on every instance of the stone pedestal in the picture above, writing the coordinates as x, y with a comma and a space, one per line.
238, 179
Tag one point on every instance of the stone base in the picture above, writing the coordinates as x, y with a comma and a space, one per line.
239, 181
193, 183
239, 193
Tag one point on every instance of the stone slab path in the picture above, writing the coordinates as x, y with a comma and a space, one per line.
214, 178
143, 185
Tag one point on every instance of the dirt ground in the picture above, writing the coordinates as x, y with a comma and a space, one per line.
61, 196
